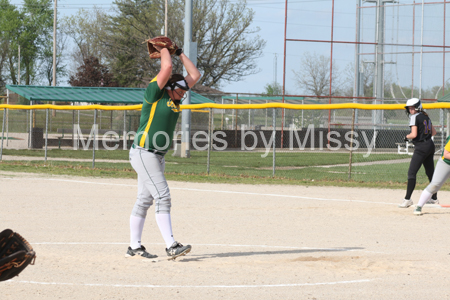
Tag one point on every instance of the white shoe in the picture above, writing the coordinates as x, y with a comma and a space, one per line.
431, 201
406, 203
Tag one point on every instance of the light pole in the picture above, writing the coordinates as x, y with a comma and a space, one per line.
54, 50
186, 113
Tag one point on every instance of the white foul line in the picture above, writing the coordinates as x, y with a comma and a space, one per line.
226, 192
215, 245
207, 245
194, 286
278, 195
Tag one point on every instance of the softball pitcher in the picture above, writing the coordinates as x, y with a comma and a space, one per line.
160, 111
441, 174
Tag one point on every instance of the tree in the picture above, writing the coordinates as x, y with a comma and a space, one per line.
273, 88
117, 40
37, 25
30, 28
46, 59
2, 86
314, 75
227, 52
10, 23
368, 76
367, 71
227, 46
92, 73
314, 79
85, 28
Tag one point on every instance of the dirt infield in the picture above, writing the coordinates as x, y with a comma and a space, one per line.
249, 242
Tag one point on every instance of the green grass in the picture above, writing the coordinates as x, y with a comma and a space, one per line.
299, 168
79, 154
309, 176
219, 158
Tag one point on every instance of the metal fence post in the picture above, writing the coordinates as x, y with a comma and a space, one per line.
274, 134
267, 101
30, 134
73, 124
351, 147
236, 121
441, 114
3, 132
7, 118
448, 122
124, 130
223, 111
78, 136
209, 141
46, 133
93, 145
249, 115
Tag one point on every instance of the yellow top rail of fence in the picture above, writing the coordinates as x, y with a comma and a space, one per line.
71, 107
233, 106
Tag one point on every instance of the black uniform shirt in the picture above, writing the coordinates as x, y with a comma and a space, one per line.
424, 127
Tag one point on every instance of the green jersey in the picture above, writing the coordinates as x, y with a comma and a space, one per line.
159, 117
447, 147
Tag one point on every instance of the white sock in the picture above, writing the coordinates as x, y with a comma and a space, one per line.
136, 228
424, 197
165, 226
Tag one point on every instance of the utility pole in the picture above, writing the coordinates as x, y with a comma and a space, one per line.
54, 44
192, 55
165, 21
18, 75
379, 63
357, 91
378, 92
54, 50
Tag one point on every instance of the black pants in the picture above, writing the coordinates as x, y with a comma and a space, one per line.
423, 155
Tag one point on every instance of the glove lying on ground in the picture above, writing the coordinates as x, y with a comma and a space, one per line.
15, 254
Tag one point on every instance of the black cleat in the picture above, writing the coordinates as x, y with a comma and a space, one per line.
177, 249
139, 252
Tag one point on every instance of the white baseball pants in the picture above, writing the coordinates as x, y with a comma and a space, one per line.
152, 184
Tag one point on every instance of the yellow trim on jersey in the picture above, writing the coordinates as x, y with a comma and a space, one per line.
150, 119
153, 80
447, 147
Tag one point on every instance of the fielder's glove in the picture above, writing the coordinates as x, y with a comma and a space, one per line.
406, 139
163, 42
15, 254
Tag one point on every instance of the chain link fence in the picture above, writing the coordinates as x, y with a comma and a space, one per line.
362, 145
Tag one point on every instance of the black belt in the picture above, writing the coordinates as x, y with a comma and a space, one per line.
151, 150
156, 152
